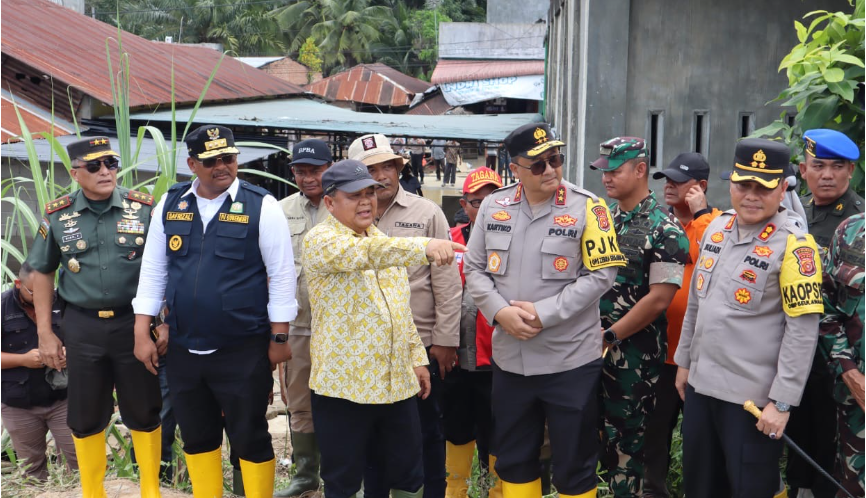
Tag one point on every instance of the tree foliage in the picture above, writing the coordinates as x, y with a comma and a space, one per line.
825, 81
308, 55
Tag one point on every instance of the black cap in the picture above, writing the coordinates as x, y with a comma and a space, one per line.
686, 166
530, 140
90, 149
347, 175
210, 141
761, 160
311, 151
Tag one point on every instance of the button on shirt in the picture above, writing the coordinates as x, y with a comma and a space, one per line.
364, 345
276, 255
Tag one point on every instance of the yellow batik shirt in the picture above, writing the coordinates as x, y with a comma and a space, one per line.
364, 345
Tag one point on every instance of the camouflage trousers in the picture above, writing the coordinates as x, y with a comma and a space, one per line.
627, 398
850, 458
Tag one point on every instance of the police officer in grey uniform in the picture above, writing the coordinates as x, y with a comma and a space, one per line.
541, 254
749, 332
96, 235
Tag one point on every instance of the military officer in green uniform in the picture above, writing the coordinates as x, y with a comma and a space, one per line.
827, 169
632, 312
96, 236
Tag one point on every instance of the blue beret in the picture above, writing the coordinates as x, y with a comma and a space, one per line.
830, 144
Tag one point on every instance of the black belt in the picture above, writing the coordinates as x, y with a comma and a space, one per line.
105, 312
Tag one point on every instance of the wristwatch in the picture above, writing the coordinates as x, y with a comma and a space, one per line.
609, 337
782, 407
280, 338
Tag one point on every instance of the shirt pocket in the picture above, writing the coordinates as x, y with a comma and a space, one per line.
177, 237
298, 229
129, 246
231, 240
746, 288
559, 258
498, 245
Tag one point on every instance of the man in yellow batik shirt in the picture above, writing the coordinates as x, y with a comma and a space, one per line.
368, 360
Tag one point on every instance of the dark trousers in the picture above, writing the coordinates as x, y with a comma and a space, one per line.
433, 442
813, 426
99, 358
349, 434
569, 402
724, 454
659, 431
467, 413
440, 166
491, 162
234, 381
417, 161
169, 424
450, 173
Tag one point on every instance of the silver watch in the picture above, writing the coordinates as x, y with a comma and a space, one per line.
782, 407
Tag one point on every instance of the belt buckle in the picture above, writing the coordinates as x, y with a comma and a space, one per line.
106, 314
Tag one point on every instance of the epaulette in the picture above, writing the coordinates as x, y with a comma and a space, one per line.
58, 204
505, 187
140, 197
255, 188
583, 191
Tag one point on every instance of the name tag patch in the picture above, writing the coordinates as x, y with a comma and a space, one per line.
403, 224
234, 218
174, 216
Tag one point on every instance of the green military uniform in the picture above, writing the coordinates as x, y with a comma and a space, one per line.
841, 342
98, 246
823, 220
657, 250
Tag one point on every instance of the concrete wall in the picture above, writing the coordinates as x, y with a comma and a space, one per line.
478, 40
508, 11
674, 57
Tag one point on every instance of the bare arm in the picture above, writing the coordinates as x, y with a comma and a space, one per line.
50, 347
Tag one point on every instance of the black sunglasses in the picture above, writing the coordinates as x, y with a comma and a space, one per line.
227, 159
538, 167
93, 167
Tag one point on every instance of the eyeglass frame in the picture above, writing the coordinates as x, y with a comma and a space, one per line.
98, 163
545, 162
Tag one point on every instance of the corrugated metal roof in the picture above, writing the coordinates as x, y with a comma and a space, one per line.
307, 115
452, 71
36, 120
71, 48
146, 157
258, 61
434, 106
376, 84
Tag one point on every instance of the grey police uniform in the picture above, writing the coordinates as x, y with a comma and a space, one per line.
562, 256
749, 333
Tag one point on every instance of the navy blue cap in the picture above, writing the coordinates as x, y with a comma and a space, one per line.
311, 151
686, 166
347, 175
830, 144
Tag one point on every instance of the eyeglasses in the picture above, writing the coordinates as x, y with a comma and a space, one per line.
24, 287
538, 167
475, 203
227, 159
93, 167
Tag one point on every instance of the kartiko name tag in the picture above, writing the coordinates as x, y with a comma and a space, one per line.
235, 218
173, 216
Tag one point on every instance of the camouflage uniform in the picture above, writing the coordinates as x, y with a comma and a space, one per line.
842, 342
647, 235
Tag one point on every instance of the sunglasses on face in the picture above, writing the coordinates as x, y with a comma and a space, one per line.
93, 167
227, 159
538, 167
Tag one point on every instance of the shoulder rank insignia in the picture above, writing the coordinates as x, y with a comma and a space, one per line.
140, 197
730, 223
517, 194
560, 196
57, 204
768, 230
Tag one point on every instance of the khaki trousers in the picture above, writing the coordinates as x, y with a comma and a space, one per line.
298, 384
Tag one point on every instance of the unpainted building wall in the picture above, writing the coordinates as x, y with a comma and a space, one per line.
515, 11
291, 71
673, 56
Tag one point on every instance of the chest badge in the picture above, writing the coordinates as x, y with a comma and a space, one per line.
81, 245
139, 241
700, 282
175, 242
73, 265
560, 264
743, 295
501, 216
763, 251
122, 240
505, 202
182, 206
565, 220
494, 262
717, 237
749, 276
709, 262
237, 207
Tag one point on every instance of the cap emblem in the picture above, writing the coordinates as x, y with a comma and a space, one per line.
368, 143
758, 159
213, 133
98, 142
810, 146
540, 135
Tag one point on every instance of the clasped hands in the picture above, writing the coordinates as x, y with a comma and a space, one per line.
520, 320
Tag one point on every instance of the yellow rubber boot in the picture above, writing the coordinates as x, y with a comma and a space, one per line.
91, 464
259, 478
782, 494
206, 473
522, 490
589, 494
496, 488
458, 465
147, 454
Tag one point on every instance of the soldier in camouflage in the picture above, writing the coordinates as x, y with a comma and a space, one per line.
841, 343
632, 312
